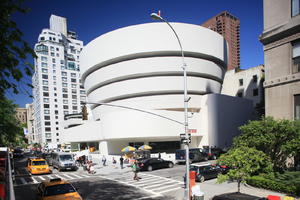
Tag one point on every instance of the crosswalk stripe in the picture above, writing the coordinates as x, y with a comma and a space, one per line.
162, 178
68, 177
153, 186
50, 177
84, 175
176, 188
77, 176
59, 176
34, 181
40, 177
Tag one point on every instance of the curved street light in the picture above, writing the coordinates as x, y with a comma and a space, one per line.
186, 99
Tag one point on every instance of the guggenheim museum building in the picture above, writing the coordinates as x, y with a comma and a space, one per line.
138, 68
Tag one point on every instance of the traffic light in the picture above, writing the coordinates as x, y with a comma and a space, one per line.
84, 113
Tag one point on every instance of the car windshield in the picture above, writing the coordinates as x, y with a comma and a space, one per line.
65, 157
41, 162
59, 189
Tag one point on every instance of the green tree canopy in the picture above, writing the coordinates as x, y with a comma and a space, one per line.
11, 132
13, 50
279, 139
243, 162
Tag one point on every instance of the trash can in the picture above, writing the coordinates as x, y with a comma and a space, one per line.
197, 194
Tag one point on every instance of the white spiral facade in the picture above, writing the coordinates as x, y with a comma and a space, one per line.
141, 66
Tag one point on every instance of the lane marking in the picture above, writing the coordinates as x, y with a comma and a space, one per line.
153, 186
170, 190
34, 181
50, 177
40, 177
77, 176
162, 178
68, 177
59, 176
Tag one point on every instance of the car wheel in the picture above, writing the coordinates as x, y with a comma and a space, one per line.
149, 168
171, 165
202, 179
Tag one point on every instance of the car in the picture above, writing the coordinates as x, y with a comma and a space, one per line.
207, 171
38, 166
18, 153
55, 189
195, 155
213, 152
154, 163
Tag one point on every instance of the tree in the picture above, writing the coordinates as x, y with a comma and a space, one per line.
13, 50
10, 129
243, 162
279, 139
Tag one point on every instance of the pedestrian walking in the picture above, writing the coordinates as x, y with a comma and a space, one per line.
114, 161
135, 169
104, 160
159, 156
121, 162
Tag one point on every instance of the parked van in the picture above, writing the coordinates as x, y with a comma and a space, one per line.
63, 161
195, 155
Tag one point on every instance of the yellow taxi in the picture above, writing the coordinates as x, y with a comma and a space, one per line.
57, 189
38, 166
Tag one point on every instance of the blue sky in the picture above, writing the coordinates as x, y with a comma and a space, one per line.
92, 18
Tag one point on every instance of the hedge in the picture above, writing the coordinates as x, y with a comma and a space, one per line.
277, 183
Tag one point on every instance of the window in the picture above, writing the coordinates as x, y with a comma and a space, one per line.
241, 82
46, 100
51, 48
82, 92
65, 95
73, 80
44, 64
44, 76
64, 79
57, 134
55, 94
46, 111
296, 56
255, 92
46, 94
57, 140
45, 88
47, 123
43, 58
64, 73
52, 54
64, 89
45, 82
65, 84
295, 7
47, 129
74, 101
74, 96
66, 112
56, 112
54, 77
48, 135
297, 107
54, 71
62, 62
73, 85
48, 140
63, 67
44, 70
53, 60
57, 128
57, 49
74, 91
55, 100
46, 105
65, 107
254, 78
56, 117
74, 107
73, 75
46, 117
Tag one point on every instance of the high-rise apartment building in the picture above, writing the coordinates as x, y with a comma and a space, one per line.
229, 27
57, 89
281, 40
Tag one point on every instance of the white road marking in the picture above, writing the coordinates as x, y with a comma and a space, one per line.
153, 186
59, 176
50, 177
170, 190
162, 178
69, 177
34, 181
76, 176
40, 177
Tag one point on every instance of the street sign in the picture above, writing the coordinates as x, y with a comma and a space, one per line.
183, 139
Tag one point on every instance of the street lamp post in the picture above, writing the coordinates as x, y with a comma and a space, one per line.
186, 99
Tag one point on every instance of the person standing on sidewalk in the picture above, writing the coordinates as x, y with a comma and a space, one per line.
121, 162
104, 160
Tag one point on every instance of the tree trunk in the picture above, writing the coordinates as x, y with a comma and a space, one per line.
239, 185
